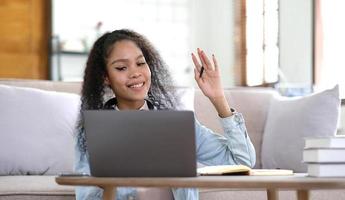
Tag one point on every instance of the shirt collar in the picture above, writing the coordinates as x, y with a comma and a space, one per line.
144, 107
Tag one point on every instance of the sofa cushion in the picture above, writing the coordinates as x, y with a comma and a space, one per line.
250, 194
36, 131
58, 86
290, 120
33, 187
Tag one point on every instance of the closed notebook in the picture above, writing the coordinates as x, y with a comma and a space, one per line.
240, 170
326, 170
325, 155
325, 142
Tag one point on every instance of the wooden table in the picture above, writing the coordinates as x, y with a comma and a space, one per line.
299, 182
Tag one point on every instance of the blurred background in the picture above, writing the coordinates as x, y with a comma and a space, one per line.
291, 45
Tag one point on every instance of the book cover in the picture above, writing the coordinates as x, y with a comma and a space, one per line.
270, 172
324, 155
224, 170
241, 170
325, 142
326, 170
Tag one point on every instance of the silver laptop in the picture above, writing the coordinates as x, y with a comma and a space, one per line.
141, 143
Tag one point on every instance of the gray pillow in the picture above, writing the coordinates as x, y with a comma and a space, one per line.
290, 120
36, 131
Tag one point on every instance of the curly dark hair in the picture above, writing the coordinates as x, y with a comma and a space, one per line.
161, 93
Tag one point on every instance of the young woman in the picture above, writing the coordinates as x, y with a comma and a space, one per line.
127, 64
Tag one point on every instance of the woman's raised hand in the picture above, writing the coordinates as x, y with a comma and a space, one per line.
207, 75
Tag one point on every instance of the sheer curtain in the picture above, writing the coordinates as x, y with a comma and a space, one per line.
330, 41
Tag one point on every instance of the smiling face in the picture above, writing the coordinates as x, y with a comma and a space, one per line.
128, 74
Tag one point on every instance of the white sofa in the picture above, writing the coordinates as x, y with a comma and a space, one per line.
28, 182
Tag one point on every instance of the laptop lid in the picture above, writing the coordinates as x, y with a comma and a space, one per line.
141, 143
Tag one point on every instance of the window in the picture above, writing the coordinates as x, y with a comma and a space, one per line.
77, 27
175, 27
262, 42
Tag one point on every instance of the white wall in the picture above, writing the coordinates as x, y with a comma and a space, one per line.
296, 40
213, 26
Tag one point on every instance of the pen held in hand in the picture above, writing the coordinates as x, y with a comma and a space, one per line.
201, 71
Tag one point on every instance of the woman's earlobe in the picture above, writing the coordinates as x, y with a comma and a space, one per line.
106, 81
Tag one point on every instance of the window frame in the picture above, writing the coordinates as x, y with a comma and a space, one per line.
240, 40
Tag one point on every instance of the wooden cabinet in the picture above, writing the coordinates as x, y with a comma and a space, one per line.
25, 29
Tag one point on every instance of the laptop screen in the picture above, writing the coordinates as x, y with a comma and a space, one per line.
141, 143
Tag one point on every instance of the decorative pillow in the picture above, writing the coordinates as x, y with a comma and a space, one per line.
36, 131
290, 120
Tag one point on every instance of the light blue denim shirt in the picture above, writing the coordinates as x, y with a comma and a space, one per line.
233, 147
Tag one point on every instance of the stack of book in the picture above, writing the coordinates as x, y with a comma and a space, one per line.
325, 156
